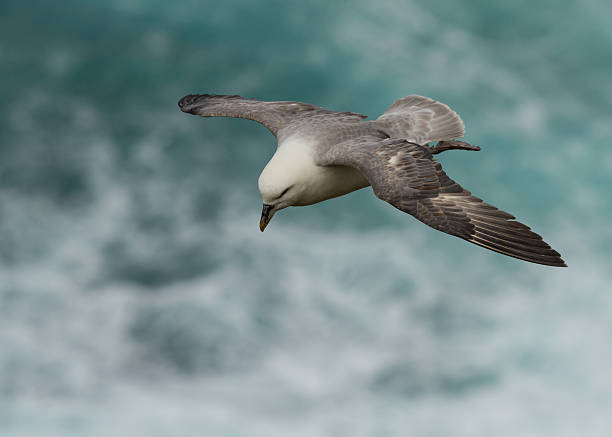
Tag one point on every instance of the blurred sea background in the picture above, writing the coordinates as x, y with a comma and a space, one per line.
138, 297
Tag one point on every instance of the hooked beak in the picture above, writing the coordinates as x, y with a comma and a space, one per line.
266, 215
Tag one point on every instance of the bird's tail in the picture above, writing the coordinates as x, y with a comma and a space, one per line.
443, 146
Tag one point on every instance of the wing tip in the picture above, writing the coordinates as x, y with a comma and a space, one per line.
552, 258
190, 102
185, 101
557, 263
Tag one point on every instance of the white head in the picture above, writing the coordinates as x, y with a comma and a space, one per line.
279, 185
290, 178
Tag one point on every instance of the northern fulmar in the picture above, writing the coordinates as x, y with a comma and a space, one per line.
323, 154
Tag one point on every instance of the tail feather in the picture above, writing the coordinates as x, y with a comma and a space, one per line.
443, 146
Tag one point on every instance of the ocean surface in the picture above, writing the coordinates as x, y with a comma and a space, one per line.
139, 298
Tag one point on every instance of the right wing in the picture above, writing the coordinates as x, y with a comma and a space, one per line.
273, 115
405, 175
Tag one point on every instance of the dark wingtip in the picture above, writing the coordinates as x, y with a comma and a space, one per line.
191, 101
186, 102
559, 261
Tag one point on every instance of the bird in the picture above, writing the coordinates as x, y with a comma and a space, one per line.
322, 154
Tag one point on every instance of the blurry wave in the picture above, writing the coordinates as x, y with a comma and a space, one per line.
137, 295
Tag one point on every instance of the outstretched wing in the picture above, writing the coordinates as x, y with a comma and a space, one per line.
405, 175
420, 120
273, 115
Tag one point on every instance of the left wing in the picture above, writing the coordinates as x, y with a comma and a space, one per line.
273, 115
405, 175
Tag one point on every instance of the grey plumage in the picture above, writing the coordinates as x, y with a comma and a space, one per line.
393, 154
273, 115
421, 120
405, 175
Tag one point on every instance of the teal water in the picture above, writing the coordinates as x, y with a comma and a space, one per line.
138, 297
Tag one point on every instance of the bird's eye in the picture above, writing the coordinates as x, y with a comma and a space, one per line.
284, 192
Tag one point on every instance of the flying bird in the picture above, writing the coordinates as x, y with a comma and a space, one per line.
323, 154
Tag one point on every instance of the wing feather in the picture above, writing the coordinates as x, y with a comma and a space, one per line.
421, 120
405, 175
273, 115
